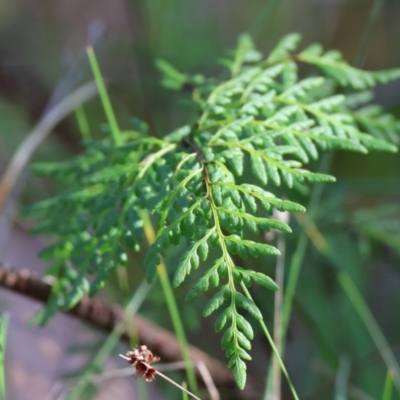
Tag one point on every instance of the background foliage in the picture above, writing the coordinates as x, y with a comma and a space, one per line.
364, 242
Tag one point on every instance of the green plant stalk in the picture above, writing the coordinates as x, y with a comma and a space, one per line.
105, 100
373, 328
83, 123
4, 321
263, 17
273, 387
141, 389
298, 256
131, 309
342, 378
294, 273
274, 349
172, 307
184, 394
112, 340
388, 388
293, 277
100, 358
374, 13
380, 341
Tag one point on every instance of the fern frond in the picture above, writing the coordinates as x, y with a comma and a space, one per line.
206, 182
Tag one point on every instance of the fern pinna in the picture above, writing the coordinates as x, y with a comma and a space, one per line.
263, 117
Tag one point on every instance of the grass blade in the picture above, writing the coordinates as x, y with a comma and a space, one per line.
104, 97
172, 307
373, 328
388, 388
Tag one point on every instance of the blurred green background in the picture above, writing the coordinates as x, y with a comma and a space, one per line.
42, 46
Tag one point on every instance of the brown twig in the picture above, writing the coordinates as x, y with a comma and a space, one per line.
107, 317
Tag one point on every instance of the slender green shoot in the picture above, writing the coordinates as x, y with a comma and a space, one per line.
374, 13
373, 328
293, 277
4, 321
115, 131
342, 377
110, 343
273, 387
172, 307
388, 388
274, 349
83, 123
100, 358
263, 17
298, 256
185, 396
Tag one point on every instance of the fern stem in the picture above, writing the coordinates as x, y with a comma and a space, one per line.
115, 131
272, 344
172, 306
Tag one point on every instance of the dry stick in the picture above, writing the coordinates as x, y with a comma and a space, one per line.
106, 317
38, 135
166, 378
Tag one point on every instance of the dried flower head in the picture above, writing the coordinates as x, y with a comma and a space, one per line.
141, 358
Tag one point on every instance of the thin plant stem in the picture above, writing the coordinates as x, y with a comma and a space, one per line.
294, 273
184, 394
262, 18
365, 314
83, 123
388, 388
279, 280
274, 349
298, 256
342, 378
293, 277
105, 100
168, 379
374, 13
4, 322
172, 306
177, 385
111, 341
